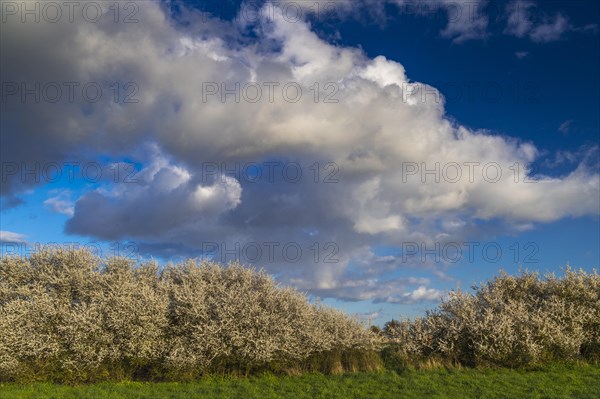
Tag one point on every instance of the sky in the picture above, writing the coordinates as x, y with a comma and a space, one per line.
374, 154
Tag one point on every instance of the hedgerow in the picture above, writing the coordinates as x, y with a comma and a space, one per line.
511, 321
66, 315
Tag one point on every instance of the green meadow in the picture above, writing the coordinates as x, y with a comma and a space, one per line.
577, 382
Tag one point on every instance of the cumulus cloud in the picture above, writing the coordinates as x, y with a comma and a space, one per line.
391, 166
164, 196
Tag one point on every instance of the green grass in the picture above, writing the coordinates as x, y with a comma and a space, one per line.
568, 382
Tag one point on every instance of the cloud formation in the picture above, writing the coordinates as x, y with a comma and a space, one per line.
214, 92
163, 197
60, 203
9, 237
524, 21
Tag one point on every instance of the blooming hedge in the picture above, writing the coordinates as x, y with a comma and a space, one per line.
66, 315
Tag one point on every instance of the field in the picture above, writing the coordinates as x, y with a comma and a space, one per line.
579, 382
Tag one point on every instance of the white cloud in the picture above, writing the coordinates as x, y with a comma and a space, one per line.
524, 20
422, 294
519, 18
550, 30
466, 20
379, 124
164, 196
11, 237
61, 203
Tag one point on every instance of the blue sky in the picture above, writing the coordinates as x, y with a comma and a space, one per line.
502, 88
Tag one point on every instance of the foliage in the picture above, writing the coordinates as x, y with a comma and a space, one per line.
512, 321
68, 316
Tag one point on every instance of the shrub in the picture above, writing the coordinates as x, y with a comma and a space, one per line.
512, 321
68, 316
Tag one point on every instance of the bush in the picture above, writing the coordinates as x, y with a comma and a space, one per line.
512, 321
68, 316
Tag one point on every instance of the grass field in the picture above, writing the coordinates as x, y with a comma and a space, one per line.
573, 382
